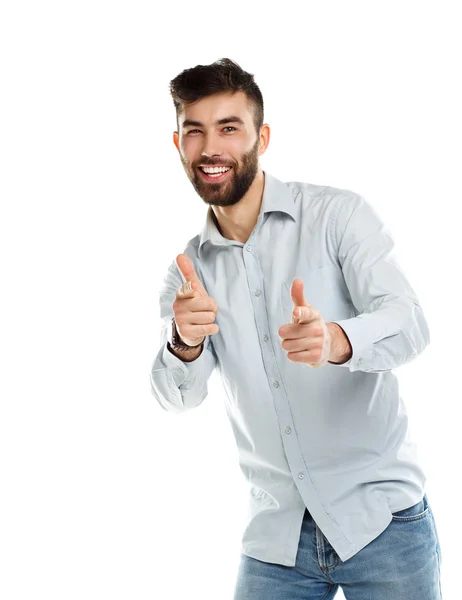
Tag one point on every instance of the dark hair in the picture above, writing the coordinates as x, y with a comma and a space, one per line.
224, 75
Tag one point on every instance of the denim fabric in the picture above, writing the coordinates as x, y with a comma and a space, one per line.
402, 563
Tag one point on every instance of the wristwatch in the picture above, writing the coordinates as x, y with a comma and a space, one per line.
175, 341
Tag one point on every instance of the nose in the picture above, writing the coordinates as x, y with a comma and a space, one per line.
211, 146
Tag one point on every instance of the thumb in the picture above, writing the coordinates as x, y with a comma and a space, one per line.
296, 293
186, 268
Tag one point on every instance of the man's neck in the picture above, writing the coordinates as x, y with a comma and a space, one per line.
238, 221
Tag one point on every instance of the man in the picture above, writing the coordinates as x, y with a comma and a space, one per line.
297, 298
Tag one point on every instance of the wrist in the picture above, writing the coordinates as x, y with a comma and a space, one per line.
340, 347
186, 355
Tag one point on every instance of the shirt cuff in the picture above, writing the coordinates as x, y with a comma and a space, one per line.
180, 370
352, 330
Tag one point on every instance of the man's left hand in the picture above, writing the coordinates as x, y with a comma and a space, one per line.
307, 339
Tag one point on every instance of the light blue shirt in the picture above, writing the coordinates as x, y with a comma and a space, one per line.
332, 439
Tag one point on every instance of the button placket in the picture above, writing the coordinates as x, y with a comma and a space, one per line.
271, 366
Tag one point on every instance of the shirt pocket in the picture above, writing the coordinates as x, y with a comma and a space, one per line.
325, 289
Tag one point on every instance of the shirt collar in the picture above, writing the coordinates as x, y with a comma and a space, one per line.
277, 196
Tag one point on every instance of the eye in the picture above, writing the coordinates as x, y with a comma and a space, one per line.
230, 127
192, 131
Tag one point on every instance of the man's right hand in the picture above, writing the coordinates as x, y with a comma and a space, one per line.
194, 311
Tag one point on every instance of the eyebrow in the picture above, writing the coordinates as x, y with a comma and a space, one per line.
232, 119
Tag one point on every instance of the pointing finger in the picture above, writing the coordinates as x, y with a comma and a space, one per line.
186, 268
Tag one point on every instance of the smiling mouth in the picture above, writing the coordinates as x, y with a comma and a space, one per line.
219, 176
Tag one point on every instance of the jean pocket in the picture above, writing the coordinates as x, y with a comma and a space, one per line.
413, 513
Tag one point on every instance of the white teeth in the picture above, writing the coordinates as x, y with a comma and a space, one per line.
215, 169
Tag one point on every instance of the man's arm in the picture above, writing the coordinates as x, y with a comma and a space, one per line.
390, 329
179, 380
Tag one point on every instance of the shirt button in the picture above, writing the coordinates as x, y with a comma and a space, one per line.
248, 248
257, 292
288, 429
301, 475
265, 338
276, 383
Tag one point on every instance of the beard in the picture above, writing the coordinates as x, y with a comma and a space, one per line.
234, 187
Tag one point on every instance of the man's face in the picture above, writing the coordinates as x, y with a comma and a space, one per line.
204, 142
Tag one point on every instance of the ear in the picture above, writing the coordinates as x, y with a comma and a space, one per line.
265, 134
176, 140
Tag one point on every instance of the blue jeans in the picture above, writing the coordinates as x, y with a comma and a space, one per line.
402, 563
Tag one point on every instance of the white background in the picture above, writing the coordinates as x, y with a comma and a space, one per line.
103, 494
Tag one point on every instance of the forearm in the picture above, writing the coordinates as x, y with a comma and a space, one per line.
386, 338
180, 383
